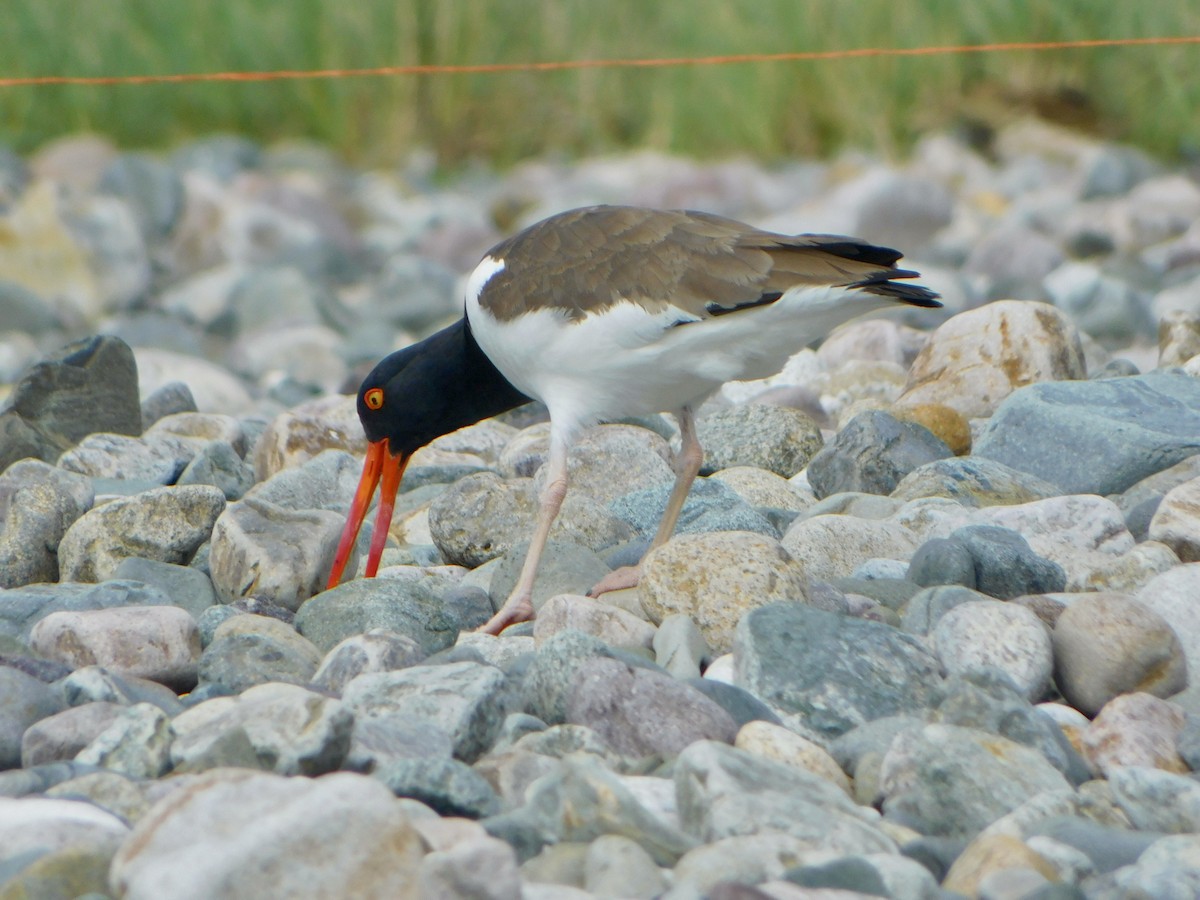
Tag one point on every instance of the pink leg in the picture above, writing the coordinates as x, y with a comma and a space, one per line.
687, 467
519, 605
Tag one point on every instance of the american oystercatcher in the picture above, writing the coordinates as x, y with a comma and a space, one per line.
607, 312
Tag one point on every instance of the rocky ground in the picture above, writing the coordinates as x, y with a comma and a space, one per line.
925, 631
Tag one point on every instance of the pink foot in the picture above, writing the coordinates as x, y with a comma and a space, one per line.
617, 580
513, 611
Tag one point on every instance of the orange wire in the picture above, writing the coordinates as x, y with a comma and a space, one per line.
561, 65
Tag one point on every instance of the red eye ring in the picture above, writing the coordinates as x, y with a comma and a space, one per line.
374, 398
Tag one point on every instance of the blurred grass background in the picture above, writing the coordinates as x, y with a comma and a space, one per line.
1149, 96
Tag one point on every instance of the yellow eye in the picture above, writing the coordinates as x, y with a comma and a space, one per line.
374, 398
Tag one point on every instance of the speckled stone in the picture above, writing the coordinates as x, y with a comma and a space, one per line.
716, 579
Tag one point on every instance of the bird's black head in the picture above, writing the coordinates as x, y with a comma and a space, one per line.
394, 401
432, 388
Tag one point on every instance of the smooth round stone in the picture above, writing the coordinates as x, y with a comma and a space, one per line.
716, 579
250, 650
755, 859
760, 487
776, 742
870, 339
926, 607
368, 841
871, 454
1131, 571
833, 546
988, 633
1135, 730
447, 786
1078, 532
462, 699
999, 863
614, 626
774, 438
220, 465
989, 700
996, 561
160, 643
64, 734
1108, 644
34, 826
976, 359
610, 460
525, 452
1172, 595
410, 608
93, 684
1014, 256
482, 517
565, 568
638, 712
860, 386
199, 429
187, 587
710, 506
213, 388
1176, 523
617, 866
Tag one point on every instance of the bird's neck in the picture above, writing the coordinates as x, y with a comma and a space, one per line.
475, 388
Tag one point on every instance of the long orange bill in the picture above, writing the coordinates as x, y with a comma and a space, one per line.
380, 462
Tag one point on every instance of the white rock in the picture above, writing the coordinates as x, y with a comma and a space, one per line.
161, 643
991, 633
239, 834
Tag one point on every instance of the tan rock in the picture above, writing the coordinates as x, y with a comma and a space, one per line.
1108, 644
979, 357
614, 626
161, 643
1178, 338
1176, 522
1131, 571
716, 578
296, 436
761, 487
167, 524
277, 630
993, 853
198, 429
260, 549
1135, 730
777, 743
834, 546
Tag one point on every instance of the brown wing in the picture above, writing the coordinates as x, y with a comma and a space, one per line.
586, 260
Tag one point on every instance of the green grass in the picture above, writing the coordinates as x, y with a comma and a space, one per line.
1145, 95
